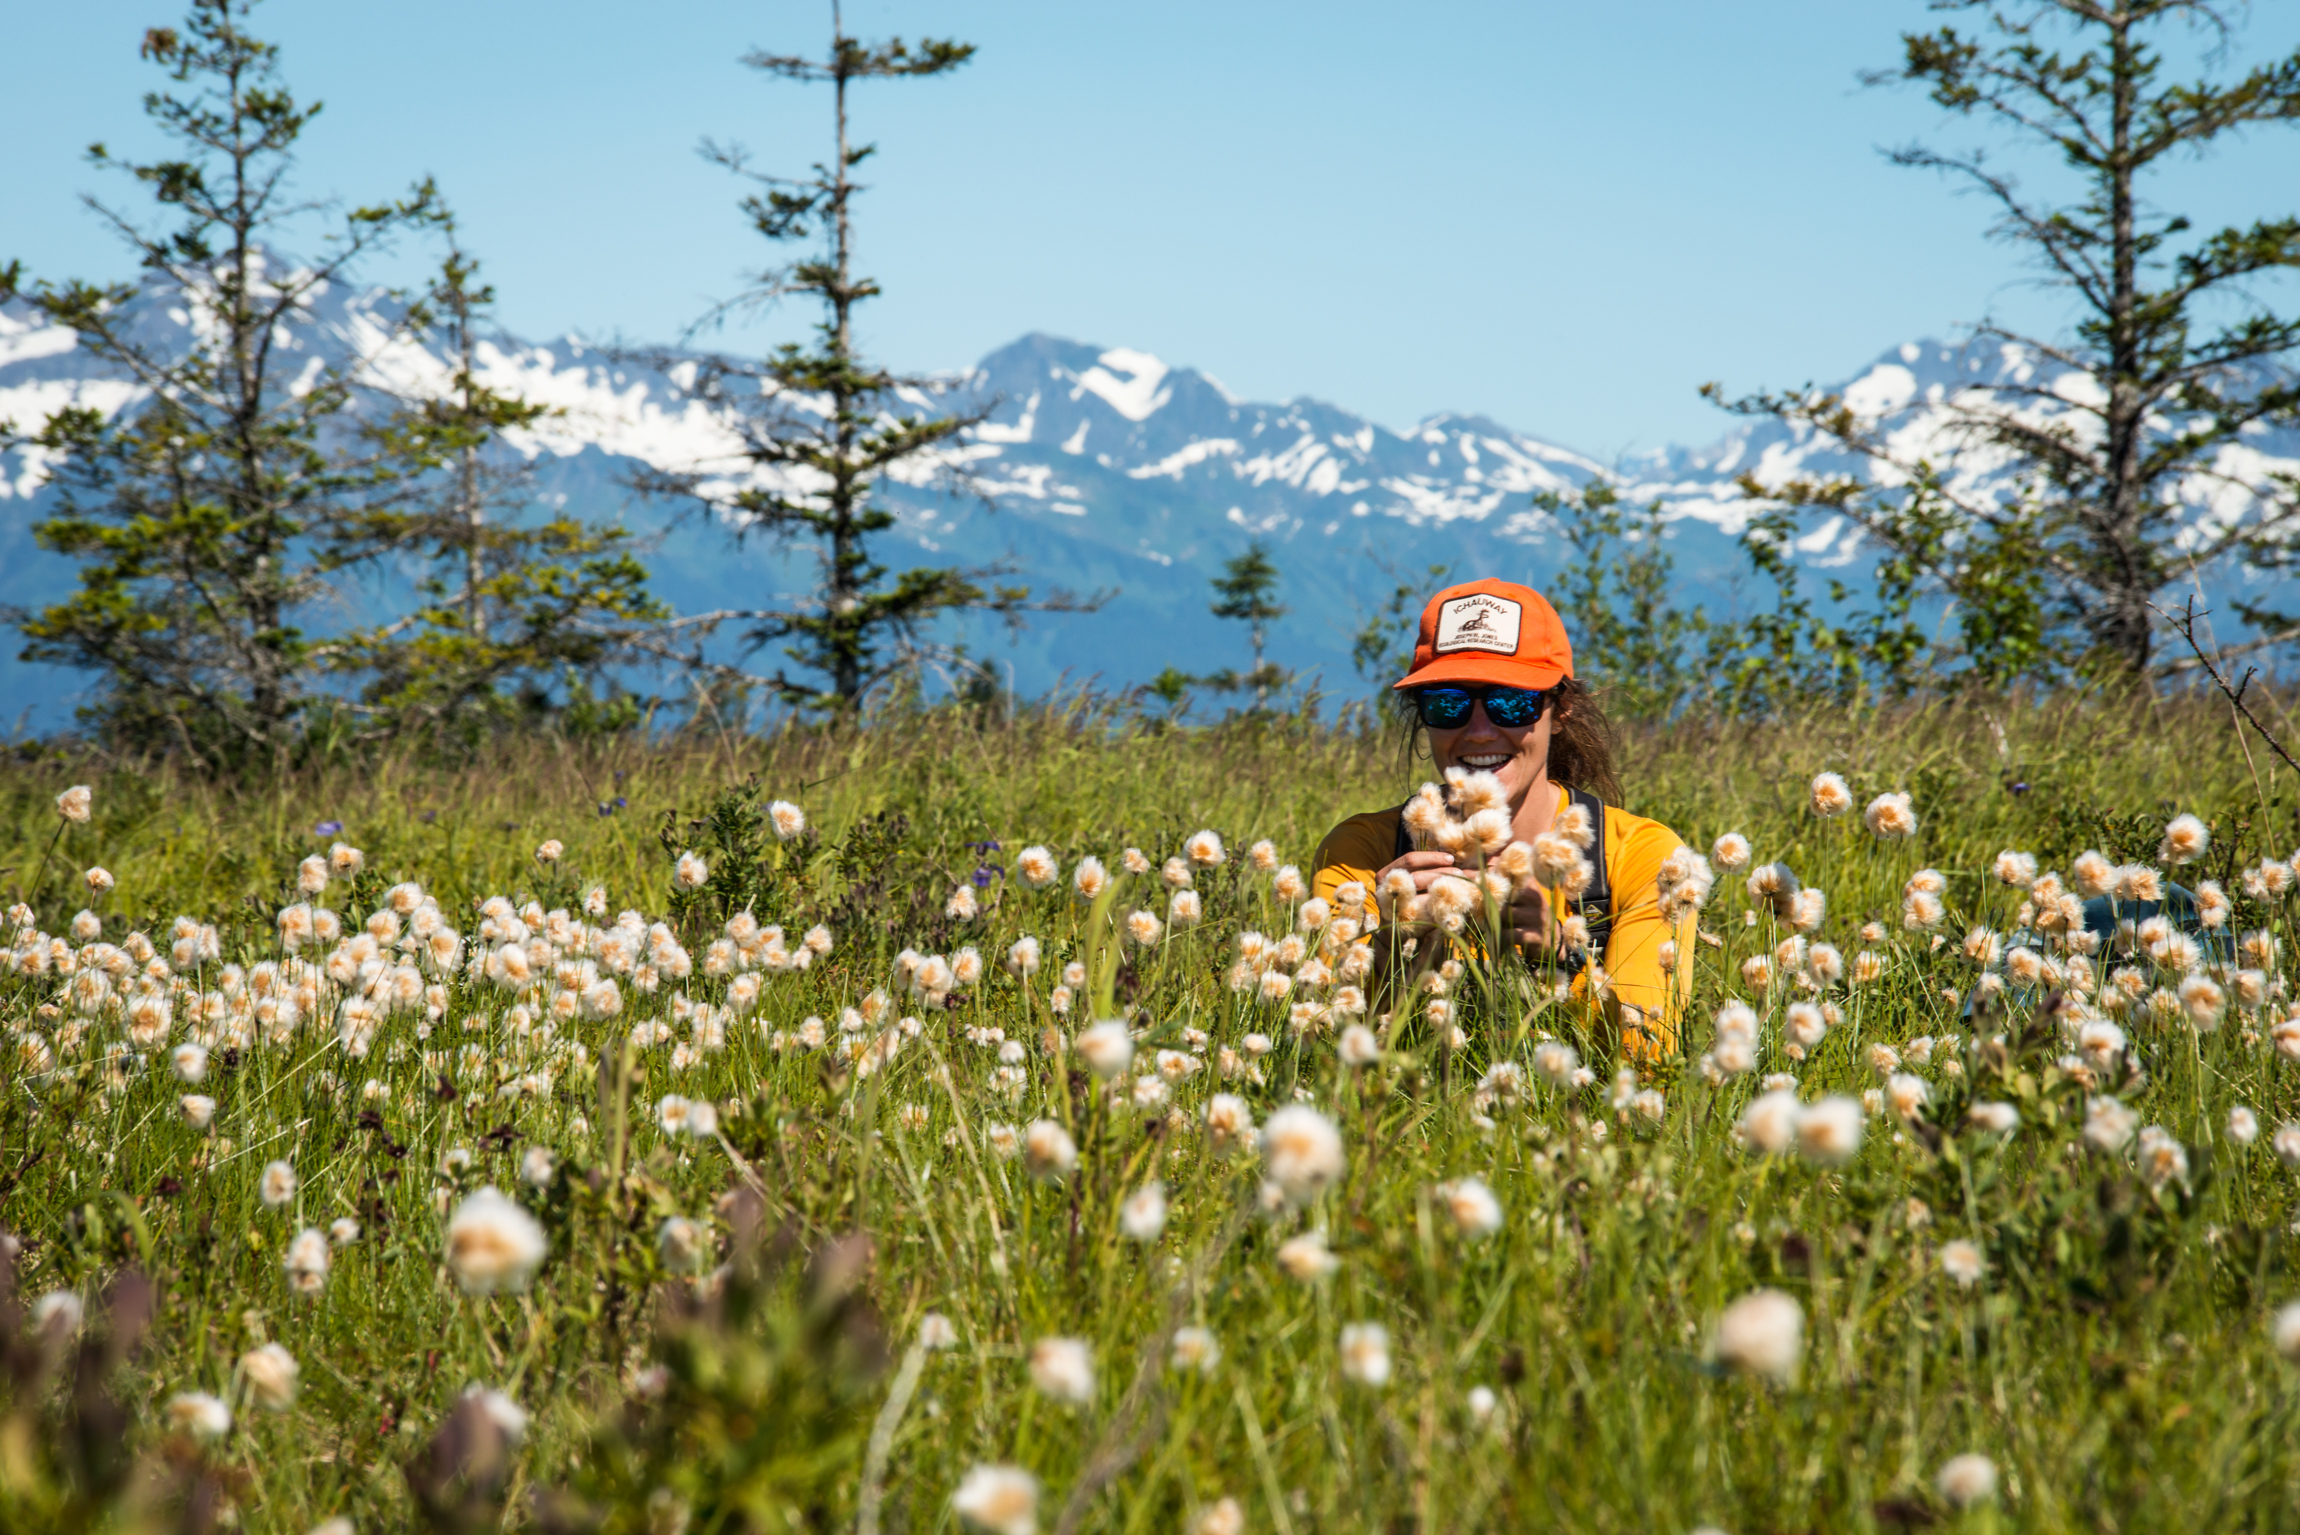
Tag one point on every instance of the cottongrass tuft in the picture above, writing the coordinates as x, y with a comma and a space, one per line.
999, 1500
1967, 1479
306, 1261
1106, 1047
277, 1185
494, 1245
1302, 1152
1048, 1151
1063, 1369
936, 1332
1829, 1132
1769, 1124
1831, 796
1762, 1333
2185, 840
1143, 1216
1306, 1257
1195, 1348
1890, 816
1963, 1262
1476, 1213
270, 1372
76, 804
1224, 1518
2284, 1331
1365, 1349
198, 1414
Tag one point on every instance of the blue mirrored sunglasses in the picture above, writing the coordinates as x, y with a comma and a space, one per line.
1447, 708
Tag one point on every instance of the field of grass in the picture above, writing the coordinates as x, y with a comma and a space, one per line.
878, 1274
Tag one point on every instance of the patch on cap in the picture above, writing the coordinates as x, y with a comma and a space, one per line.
1479, 621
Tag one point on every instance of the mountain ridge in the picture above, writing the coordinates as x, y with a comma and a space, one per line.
1114, 467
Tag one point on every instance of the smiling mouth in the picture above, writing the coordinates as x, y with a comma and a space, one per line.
1484, 760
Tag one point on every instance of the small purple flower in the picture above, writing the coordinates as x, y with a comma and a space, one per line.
984, 875
327, 828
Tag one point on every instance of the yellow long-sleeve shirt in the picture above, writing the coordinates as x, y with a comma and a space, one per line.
1634, 849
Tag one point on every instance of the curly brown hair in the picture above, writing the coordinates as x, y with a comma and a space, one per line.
1580, 739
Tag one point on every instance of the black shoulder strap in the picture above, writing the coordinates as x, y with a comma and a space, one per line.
1405, 840
1597, 900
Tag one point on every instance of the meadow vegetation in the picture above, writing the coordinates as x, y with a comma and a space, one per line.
826, 1205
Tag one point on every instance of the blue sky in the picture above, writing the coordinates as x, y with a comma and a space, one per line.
1563, 215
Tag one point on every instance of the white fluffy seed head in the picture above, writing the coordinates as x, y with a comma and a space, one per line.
1967, 1479
1761, 1334
1302, 1152
493, 1244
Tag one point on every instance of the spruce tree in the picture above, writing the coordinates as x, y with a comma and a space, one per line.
826, 426
200, 516
1244, 591
519, 617
2186, 357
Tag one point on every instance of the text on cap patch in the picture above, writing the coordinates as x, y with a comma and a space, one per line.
1479, 621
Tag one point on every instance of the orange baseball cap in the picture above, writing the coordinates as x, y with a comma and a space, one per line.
1490, 631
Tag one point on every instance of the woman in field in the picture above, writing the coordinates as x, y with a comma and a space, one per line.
1492, 689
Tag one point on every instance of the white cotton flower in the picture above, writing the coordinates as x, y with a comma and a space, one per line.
2185, 840
1963, 1262
198, 1414
936, 1332
1143, 1216
270, 1373
1048, 1151
1302, 1152
509, 1418
2108, 1124
1967, 1479
199, 1110
1762, 1333
1829, 1132
1830, 795
1063, 1369
538, 1166
1476, 1213
1195, 1348
998, 1500
1307, 1257
277, 1184
1359, 1046
1089, 879
2243, 1125
1890, 816
2015, 869
1365, 1349
1769, 1124
76, 804
306, 1262
1730, 853
1106, 1047
493, 1244
1996, 1118
2284, 1331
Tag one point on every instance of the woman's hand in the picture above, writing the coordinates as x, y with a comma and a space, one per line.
1526, 921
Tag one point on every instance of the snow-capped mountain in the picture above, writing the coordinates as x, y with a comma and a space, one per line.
1096, 468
